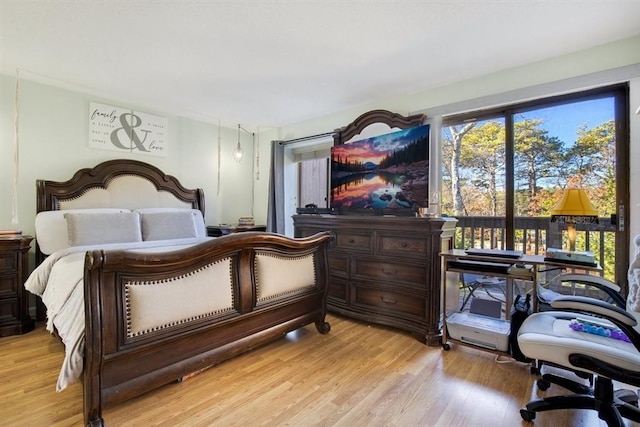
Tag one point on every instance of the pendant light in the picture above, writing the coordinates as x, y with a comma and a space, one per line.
238, 152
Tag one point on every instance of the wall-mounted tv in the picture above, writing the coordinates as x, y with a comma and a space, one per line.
383, 174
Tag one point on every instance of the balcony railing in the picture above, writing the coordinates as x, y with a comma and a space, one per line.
534, 234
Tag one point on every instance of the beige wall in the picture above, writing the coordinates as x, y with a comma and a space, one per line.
53, 143
611, 63
54, 131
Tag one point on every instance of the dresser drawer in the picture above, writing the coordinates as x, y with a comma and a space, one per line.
354, 242
339, 264
403, 246
381, 300
8, 262
390, 271
338, 289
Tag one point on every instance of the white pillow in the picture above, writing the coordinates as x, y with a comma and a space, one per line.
99, 228
51, 227
178, 219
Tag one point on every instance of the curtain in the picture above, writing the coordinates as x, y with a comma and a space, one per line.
275, 209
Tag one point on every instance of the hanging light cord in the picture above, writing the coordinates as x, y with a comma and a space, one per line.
219, 143
16, 153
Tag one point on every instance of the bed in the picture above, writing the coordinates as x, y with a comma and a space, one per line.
141, 297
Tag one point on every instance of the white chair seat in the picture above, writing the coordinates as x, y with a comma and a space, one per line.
547, 336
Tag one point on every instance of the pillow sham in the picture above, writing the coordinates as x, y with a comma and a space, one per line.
51, 227
174, 223
169, 225
99, 228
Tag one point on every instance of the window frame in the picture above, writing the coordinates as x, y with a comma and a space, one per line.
620, 93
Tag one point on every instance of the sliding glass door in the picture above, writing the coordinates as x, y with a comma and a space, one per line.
504, 169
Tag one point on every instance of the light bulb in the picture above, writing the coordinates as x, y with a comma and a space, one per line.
238, 153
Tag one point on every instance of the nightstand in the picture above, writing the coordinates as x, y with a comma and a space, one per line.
223, 230
14, 300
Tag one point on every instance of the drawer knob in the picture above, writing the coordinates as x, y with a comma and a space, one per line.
352, 241
404, 244
388, 301
389, 272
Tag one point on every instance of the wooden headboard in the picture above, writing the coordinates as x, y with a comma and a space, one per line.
122, 183
87, 183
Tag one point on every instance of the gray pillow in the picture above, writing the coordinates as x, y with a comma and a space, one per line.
169, 225
99, 228
52, 231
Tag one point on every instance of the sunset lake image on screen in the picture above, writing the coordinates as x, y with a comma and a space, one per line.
389, 171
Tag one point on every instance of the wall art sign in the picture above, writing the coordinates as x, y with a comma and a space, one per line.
122, 129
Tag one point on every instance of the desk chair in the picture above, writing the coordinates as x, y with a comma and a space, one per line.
606, 290
547, 336
472, 282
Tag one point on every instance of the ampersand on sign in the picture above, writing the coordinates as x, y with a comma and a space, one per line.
130, 132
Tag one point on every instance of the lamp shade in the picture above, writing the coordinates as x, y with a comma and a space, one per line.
574, 207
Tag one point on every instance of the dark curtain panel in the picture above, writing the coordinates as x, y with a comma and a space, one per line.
275, 210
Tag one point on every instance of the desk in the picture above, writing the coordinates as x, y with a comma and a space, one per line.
458, 260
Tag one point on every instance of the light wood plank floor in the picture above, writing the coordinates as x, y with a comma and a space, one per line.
357, 375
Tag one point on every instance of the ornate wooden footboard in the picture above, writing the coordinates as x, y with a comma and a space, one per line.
210, 302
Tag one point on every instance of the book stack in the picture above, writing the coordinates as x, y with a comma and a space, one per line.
246, 221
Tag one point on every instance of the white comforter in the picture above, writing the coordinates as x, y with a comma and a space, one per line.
59, 281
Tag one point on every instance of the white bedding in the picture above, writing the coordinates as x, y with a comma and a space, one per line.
59, 281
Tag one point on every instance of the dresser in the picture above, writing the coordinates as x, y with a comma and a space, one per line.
14, 301
385, 270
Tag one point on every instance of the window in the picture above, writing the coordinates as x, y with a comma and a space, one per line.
504, 170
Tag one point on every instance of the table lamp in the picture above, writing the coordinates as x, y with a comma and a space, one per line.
574, 207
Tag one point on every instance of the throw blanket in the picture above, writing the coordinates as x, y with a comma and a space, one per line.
59, 282
633, 299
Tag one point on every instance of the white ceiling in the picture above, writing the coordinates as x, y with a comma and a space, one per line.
273, 63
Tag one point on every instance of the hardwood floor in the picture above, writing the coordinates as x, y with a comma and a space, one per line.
357, 375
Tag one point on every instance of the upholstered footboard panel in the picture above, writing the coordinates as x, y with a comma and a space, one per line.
153, 318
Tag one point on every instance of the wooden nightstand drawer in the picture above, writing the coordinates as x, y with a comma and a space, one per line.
354, 242
8, 285
390, 271
8, 261
394, 245
14, 300
382, 300
9, 310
